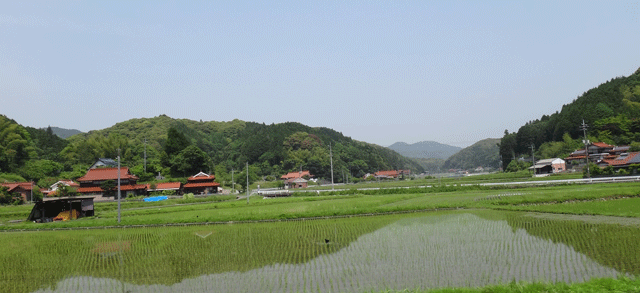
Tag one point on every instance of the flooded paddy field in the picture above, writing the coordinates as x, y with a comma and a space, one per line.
359, 254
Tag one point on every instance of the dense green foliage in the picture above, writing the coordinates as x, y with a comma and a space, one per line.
274, 149
16, 147
481, 154
610, 110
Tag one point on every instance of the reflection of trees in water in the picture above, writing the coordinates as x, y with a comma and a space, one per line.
610, 244
451, 250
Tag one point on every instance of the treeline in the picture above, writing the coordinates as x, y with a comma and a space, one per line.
180, 147
610, 111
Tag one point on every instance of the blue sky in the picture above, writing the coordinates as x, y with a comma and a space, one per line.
450, 71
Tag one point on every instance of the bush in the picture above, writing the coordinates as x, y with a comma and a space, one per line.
188, 196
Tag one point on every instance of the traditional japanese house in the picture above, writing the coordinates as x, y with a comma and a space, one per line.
201, 183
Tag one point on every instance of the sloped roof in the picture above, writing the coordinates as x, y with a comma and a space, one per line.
201, 184
389, 173
14, 185
293, 175
624, 159
201, 176
602, 145
168, 185
107, 174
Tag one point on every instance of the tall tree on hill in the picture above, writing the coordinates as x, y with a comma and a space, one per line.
176, 142
190, 161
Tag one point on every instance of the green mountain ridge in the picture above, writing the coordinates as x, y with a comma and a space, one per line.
484, 153
610, 111
221, 147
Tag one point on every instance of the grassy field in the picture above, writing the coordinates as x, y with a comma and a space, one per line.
556, 199
611, 199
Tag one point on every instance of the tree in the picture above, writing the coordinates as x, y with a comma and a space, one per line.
507, 148
241, 179
39, 169
108, 188
65, 191
176, 142
191, 160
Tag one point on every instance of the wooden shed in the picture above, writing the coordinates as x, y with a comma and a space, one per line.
44, 211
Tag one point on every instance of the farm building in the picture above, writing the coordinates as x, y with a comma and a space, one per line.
296, 183
51, 209
294, 175
201, 183
549, 166
24, 189
175, 187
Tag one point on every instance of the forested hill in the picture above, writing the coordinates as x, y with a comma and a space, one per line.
270, 149
481, 154
610, 110
425, 149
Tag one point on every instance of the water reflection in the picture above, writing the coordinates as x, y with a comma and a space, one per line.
450, 250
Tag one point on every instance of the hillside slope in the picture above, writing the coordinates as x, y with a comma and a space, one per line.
610, 111
235, 142
425, 149
484, 153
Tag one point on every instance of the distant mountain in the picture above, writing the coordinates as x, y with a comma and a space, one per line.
425, 149
64, 133
484, 153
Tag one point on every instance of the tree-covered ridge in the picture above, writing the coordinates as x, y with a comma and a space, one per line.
611, 111
270, 149
481, 154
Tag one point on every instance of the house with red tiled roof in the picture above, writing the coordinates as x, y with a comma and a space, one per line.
621, 161
201, 183
386, 174
176, 187
23, 189
294, 175
596, 151
90, 183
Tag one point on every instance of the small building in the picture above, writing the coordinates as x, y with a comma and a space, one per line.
23, 189
621, 161
54, 187
387, 174
201, 183
46, 210
549, 166
104, 163
297, 183
294, 175
176, 187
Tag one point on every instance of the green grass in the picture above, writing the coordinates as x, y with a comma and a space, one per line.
592, 286
624, 207
352, 202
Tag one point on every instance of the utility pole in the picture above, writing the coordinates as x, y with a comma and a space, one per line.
233, 183
586, 142
331, 156
247, 182
118, 186
533, 159
145, 155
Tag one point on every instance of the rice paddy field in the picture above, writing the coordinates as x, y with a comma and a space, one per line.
485, 238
